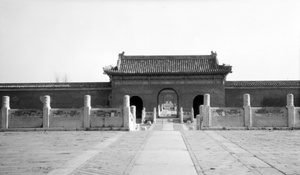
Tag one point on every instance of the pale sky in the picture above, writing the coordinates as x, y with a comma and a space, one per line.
39, 39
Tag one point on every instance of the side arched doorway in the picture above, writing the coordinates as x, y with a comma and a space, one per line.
138, 103
167, 100
198, 100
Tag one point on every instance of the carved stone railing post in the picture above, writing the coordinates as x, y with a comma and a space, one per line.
291, 110
143, 115
87, 111
192, 115
181, 115
206, 111
133, 112
154, 115
46, 110
158, 109
200, 117
128, 119
5, 112
247, 111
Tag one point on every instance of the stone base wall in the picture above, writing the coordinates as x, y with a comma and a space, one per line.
227, 117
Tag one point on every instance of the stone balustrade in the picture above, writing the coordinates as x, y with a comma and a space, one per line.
248, 117
73, 118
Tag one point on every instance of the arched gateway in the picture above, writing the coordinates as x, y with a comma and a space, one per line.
138, 103
167, 101
155, 79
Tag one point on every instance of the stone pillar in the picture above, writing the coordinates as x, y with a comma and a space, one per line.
87, 111
46, 111
181, 115
143, 115
154, 115
200, 117
206, 111
192, 115
291, 110
4, 112
247, 111
128, 120
133, 112
158, 107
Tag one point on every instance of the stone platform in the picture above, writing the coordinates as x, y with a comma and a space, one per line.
167, 148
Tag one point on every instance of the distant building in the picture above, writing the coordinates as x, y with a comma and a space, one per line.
165, 82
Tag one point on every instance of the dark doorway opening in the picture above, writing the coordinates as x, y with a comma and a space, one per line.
167, 100
138, 103
198, 100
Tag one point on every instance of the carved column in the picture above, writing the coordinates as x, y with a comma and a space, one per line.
154, 115
46, 110
158, 107
128, 121
291, 110
206, 111
133, 112
181, 115
192, 115
4, 112
87, 111
247, 111
200, 117
143, 115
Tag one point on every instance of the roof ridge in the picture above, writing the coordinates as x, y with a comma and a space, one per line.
165, 57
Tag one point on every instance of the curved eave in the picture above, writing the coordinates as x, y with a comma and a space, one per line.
213, 72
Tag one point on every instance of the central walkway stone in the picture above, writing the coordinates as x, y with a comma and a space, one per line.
164, 153
167, 126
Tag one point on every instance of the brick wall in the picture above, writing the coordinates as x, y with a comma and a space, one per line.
26, 99
263, 97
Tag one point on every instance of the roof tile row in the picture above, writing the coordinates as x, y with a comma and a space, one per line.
168, 65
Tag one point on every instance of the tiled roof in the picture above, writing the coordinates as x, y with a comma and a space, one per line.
193, 64
262, 84
54, 85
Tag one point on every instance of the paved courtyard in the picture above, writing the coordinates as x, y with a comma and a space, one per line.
165, 149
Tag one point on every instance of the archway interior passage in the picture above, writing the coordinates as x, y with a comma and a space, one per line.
138, 103
198, 100
167, 103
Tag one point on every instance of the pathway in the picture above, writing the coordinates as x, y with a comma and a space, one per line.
164, 153
169, 148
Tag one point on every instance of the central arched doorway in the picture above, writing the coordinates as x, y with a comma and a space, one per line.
138, 103
167, 101
198, 100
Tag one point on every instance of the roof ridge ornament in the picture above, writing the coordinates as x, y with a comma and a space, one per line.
119, 60
214, 53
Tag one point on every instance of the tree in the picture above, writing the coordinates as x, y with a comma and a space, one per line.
58, 78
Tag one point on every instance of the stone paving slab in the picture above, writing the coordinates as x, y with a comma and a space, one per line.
245, 152
118, 158
212, 152
41, 152
164, 153
279, 149
71, 165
